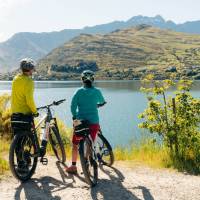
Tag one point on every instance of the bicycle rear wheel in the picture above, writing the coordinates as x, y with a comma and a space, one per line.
57, 144
89, 165
22, 156
105, 154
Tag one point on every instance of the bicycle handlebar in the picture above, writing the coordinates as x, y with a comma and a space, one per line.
55, 103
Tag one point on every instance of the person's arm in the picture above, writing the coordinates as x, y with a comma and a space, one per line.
101, 101
30, 98
101, 104
74, 105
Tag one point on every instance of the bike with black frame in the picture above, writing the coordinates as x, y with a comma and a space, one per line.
25, 148
92, 152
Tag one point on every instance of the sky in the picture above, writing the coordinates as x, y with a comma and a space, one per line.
55, 15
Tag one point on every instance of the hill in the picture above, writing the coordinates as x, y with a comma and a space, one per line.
37, 45
126, 54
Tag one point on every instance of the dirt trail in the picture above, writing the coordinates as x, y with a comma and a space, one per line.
118, 183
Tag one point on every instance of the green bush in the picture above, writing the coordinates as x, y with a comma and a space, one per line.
5, 113
176, 119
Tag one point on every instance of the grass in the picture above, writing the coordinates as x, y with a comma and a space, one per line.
66, 134
4, 148
146, 152
3, 166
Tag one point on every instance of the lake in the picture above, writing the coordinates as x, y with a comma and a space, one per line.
118, 118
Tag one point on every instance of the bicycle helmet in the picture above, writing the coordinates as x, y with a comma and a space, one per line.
27, 64
87, 75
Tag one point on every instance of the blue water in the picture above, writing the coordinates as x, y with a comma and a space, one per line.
118, 118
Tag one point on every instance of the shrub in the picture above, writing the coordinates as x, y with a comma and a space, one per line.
175, 119
5, 113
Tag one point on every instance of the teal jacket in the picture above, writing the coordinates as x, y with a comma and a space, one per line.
84, 104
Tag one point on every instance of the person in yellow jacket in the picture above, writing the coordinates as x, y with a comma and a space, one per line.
22, 100
23, 106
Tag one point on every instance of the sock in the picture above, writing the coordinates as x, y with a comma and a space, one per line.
74, 163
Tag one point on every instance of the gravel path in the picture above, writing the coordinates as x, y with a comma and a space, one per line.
118, 183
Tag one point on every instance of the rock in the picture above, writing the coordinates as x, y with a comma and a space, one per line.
171, 69
191, 73
197, 77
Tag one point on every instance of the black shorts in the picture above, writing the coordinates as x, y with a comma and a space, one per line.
21, 122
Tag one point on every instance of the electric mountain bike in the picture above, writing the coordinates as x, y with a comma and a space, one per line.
94, 152
25, 148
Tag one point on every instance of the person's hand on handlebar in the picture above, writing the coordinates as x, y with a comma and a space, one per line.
35, 114
101, 104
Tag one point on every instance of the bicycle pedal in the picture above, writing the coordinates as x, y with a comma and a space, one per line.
44, 161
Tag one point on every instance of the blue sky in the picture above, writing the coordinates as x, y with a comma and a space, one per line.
55, 15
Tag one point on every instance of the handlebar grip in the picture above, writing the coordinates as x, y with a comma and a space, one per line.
58, 102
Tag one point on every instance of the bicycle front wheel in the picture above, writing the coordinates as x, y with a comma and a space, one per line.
57, 144
22, 156
105, 155
89, 165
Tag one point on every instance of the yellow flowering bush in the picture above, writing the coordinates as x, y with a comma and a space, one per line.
176, 119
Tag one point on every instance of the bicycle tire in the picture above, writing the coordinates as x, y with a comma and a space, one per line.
107, 146
87, 161
15, 142
55, 142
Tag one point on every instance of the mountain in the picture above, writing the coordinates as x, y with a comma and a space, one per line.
125, 52
37, 45
34, 45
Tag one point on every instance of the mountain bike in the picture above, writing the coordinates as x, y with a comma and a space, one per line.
94, 152
25, 148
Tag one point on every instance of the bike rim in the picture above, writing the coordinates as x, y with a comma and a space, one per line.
90, 163
103, 152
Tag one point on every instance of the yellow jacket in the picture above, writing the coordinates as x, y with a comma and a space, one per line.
22, 100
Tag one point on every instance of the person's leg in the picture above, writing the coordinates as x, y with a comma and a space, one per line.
94, 129
73, 168
74, 154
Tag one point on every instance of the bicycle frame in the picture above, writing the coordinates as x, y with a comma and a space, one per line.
41, 121
47, 118
93, 146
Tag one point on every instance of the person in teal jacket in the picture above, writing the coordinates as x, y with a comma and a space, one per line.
84, 106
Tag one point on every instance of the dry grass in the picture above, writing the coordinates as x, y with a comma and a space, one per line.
147, 152
4, 148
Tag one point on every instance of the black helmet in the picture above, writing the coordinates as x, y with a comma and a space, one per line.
87, 75
27, 64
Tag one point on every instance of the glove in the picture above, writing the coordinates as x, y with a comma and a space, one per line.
76, 122
101, 104
35, 114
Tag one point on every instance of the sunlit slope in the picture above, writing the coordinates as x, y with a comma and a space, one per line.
134, 48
